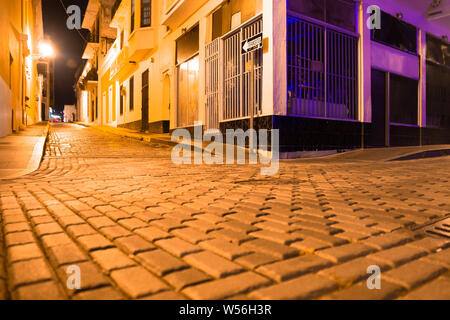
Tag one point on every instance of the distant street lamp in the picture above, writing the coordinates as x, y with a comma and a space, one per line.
45, 56
46, 50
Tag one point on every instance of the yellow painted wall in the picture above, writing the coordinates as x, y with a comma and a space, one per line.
161, 63
18, 18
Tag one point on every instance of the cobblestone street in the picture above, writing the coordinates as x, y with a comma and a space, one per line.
138, 226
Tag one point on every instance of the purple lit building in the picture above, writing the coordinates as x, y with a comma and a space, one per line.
349, 84
338, 84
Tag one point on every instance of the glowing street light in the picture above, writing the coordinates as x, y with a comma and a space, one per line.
46, 50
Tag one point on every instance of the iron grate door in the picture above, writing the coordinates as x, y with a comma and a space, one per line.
212, 77
237, 80
322, 71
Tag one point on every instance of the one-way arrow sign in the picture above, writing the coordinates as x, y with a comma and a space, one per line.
252, 44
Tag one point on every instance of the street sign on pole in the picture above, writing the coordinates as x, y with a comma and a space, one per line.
252, 44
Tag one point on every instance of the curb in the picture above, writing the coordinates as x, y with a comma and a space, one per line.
135, 136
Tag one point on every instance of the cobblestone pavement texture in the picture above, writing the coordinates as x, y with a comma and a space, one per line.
140, 227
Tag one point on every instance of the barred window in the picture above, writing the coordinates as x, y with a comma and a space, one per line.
146, 13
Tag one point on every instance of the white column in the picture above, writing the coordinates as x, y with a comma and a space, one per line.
201, 80
422, 112
274, 99
365, 65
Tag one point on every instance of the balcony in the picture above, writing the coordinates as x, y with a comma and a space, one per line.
141, 44
122, 68
90, 50
177, 11
120, 11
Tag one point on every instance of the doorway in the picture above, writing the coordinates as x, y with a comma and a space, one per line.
188, 82
166, 97
237, 79
380, 128
105, 116
145, 98
43, 117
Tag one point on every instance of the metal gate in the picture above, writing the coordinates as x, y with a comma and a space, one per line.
322, 71
212, 91
237, 99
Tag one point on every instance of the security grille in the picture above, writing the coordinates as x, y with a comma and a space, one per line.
322, 71
212, 76
237, 79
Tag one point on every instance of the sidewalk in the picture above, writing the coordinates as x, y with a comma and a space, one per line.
21, 153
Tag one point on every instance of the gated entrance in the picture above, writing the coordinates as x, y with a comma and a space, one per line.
228, 80
237, 80
322, 71
212, 84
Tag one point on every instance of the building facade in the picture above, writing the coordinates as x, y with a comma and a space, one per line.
70, 113
20, 83
46, 71
317, 70
97, 20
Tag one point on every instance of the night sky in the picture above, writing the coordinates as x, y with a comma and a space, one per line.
69, 47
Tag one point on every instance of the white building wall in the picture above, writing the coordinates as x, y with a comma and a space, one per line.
275, 58
70, 113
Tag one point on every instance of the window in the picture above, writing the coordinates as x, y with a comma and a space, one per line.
146, 13
217, 24
404, 97
340, 13
122, 35
396, 33
133, 9
187, 45
322, 71
438, 51
131, 93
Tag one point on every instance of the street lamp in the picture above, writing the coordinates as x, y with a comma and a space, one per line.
46, 50
45, 55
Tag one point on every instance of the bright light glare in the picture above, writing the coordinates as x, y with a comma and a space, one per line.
46, 50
